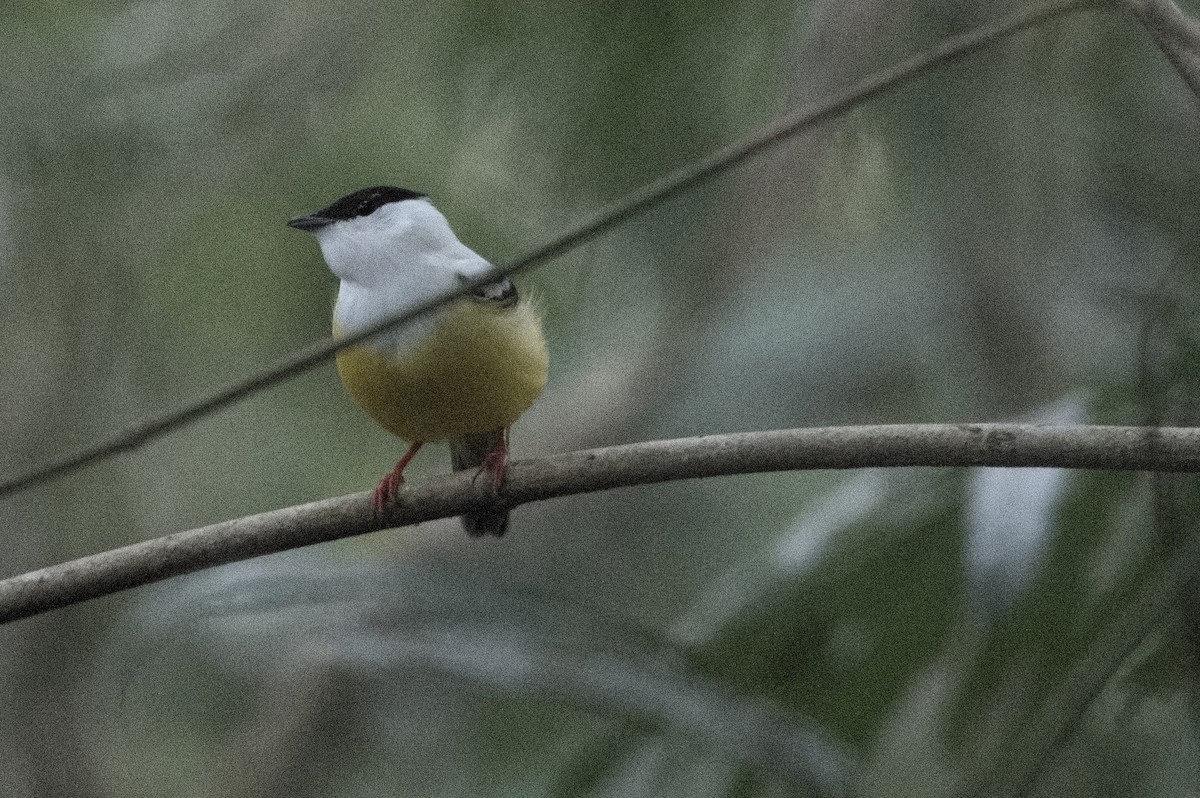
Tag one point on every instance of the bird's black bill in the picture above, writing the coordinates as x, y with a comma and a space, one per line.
311, 222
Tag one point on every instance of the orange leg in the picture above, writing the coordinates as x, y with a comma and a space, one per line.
497, 462
390, 485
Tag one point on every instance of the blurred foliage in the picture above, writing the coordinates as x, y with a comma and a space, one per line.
1009, 237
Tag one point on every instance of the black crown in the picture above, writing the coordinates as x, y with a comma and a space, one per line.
365, 202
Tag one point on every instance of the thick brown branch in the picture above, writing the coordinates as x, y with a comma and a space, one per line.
1000, 445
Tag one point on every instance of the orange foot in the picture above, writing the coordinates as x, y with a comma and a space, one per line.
389, 486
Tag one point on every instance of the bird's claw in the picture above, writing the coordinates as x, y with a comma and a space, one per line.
385, 491
496, 462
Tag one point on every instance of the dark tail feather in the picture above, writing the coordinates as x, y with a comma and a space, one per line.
472, 452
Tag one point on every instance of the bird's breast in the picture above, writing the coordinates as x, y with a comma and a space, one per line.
475, 368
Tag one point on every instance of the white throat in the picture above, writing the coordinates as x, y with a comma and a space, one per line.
401, 256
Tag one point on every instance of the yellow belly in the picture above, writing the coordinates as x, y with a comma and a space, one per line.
478, 370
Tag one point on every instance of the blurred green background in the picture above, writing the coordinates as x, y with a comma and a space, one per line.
1007, 238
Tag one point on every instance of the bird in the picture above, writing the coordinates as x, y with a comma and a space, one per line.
461, 374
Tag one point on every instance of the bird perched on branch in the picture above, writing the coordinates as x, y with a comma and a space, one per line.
462, 374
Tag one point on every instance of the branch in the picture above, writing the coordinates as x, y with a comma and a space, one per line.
612, 215
999, 445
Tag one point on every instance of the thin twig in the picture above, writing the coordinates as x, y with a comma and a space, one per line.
604, 220
1001, 445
